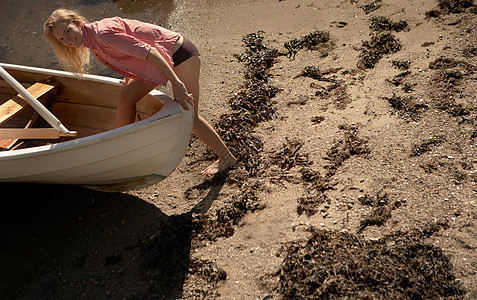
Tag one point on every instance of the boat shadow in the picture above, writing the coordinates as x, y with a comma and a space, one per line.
63, 242
167, 253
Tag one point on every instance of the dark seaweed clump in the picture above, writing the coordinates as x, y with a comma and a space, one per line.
290, 155
315, 73
314, 194
337, 90
223, 222
370, 7
407, 107
317, 40
398, 79
381, 210
426, 146
286, 158
332, 265
383, 24
454, 6
258, 58
443, 63
379, 45
469, 51
433, 13
401, 64
316, 184
451, 6
317, 119
207, 276
344, 149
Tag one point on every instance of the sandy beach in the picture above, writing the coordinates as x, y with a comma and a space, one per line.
355, 127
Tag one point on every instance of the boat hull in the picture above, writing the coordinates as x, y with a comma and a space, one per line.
121, 159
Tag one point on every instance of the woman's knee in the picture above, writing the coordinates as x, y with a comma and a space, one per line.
132, 92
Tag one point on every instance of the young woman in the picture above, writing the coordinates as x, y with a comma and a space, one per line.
147, 55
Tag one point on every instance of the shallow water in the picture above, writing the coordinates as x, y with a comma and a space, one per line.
22, 21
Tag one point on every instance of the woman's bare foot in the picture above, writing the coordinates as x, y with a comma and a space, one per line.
219, 166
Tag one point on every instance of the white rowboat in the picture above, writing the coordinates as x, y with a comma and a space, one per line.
99, 156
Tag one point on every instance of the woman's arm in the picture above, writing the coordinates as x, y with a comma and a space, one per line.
131, 46
178, 88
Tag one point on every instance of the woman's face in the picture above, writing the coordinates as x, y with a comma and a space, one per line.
69, 35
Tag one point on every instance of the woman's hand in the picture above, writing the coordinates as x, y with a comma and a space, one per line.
181, 96
124, 81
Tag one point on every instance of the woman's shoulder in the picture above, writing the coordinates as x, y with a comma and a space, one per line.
108, 25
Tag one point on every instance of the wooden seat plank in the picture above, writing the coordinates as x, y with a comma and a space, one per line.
13, 106
8, 143
34, 133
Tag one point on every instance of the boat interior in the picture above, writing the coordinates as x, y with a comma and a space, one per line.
83, 106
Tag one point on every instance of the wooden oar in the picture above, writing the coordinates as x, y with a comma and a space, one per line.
42, 110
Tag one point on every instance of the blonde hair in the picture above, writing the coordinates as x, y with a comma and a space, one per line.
70, 58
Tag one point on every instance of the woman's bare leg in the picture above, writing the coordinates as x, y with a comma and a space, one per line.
188, 72
130, 94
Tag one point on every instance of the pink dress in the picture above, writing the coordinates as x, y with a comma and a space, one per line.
123, 46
